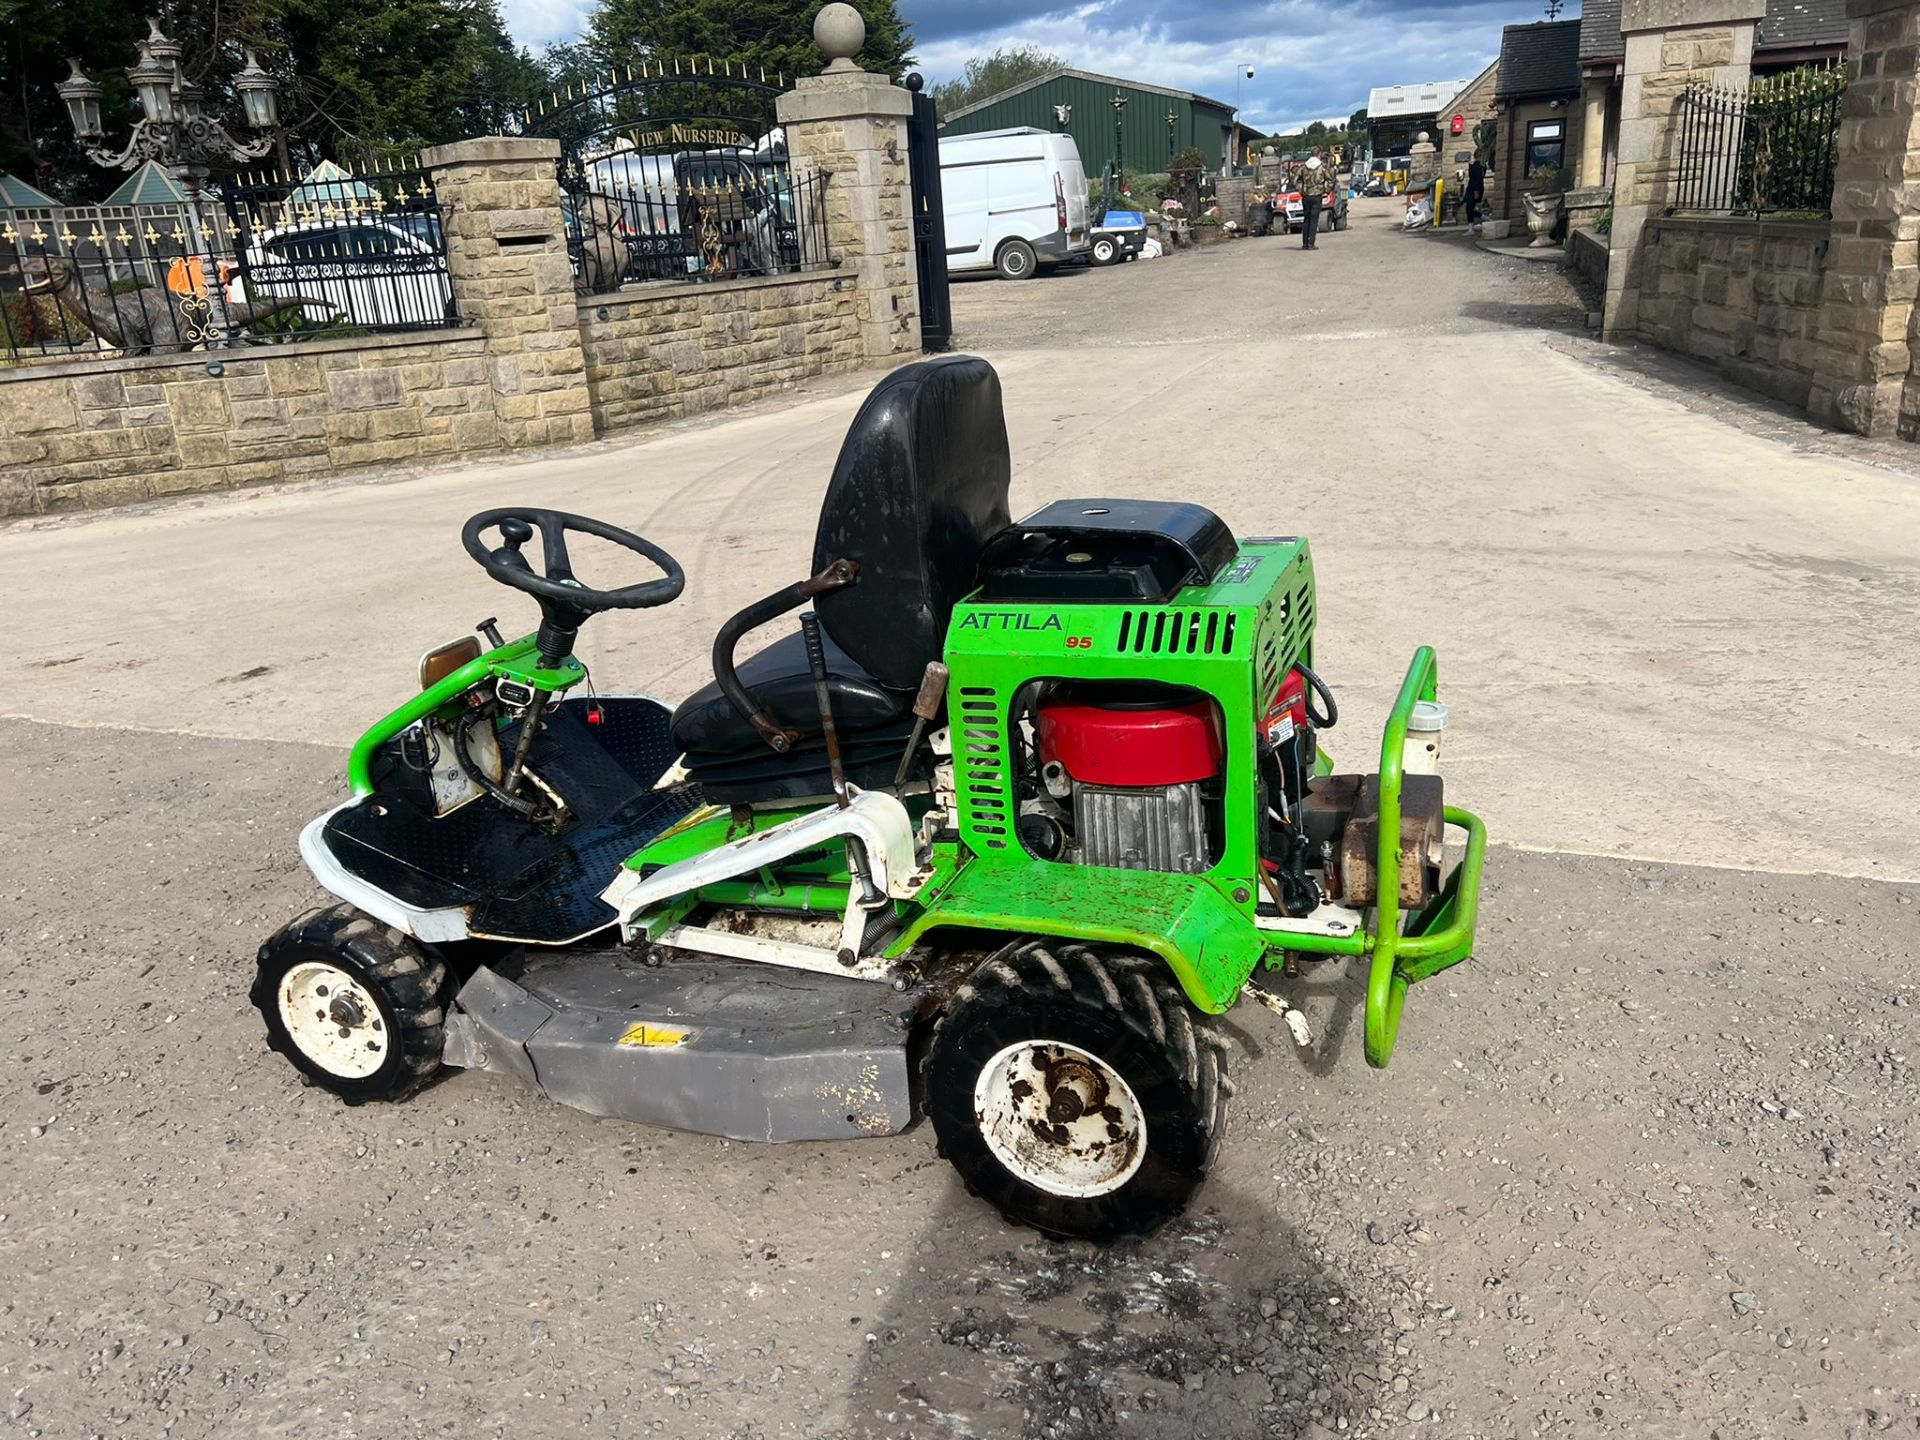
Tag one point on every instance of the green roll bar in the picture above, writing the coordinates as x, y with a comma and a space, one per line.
1441, 934
1437, 936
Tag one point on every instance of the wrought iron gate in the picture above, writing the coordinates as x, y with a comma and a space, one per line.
677, 170
929, 221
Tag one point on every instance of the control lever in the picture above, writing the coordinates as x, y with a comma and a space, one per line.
490, 628
870, 896
926, 706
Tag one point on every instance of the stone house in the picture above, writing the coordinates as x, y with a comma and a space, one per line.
1537, 92
1460, 130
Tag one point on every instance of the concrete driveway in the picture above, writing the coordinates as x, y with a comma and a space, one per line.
1645, 1167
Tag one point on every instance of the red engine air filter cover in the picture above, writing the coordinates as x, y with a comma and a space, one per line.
1132, 745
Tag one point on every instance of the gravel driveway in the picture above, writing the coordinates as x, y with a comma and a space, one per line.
1646, 1167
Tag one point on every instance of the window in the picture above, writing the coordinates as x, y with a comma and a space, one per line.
1546, 146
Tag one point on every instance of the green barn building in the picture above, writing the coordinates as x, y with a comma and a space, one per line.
1154, 123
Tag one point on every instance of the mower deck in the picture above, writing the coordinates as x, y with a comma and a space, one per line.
718, 1047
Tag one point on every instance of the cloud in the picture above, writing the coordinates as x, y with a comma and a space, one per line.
1311, 58
536, 24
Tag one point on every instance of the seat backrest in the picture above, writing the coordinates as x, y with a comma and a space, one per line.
920, 485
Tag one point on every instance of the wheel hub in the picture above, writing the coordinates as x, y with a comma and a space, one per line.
334, 1019
1060, 1118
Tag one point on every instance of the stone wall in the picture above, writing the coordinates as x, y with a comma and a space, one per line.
531, 365
1587, 256
663, 352
80, 434
1869, 331
1743, 295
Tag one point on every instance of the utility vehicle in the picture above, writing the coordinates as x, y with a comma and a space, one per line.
1015, 201
992, 837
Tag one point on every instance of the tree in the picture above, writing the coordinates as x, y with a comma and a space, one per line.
385, 75
774, 35
988, 75
358, 77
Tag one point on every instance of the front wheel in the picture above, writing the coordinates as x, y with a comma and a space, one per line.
355, 1005
1016, 261
1074, 1089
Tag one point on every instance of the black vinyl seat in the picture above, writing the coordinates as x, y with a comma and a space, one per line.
707, 724
919, 487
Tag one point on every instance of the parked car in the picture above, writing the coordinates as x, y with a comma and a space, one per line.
381, 272
1015, 200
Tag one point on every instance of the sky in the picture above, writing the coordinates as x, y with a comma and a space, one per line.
1312, 59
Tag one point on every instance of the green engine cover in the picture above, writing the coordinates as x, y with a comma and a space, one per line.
1235, 639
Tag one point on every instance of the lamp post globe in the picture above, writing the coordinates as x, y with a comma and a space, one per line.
153, 83
258, 95
82, 97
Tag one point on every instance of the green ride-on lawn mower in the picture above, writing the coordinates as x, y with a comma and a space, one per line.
992, 837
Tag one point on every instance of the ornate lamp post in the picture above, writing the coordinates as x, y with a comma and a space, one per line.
1173, 118
1119, 103
175, 131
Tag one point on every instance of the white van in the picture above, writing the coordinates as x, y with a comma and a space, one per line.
1015, 200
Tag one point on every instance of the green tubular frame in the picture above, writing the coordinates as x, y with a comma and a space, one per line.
516, 660
1439, 935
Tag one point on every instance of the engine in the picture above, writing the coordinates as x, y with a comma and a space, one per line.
1131, 778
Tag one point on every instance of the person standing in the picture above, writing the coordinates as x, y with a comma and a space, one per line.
1476, 189
1316, 184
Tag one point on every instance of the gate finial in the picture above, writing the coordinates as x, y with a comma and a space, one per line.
839, 32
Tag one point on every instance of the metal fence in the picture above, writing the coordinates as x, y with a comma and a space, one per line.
1765, 150
265, 260
712, 214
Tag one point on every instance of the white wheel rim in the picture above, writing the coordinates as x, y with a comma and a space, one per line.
1060, 1118
334, 1020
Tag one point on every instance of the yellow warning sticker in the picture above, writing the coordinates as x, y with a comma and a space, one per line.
650, 1036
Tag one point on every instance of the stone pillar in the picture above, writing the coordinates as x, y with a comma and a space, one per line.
507, 261
851, 125
1593, 133
1670, 45
1423, 164
1865, 338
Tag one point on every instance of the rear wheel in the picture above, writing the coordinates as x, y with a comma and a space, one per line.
1106, 250
1016, 261
355, 1005
1340, 219
1074, 1089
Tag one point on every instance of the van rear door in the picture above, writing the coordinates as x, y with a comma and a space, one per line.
1073, 185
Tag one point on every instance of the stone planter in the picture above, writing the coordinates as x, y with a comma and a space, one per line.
1209, 235
1543, 213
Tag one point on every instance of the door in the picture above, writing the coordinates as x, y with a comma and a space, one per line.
929, 224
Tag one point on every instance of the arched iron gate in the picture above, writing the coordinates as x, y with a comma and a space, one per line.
678, 170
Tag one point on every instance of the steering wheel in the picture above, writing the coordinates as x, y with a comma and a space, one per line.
557, 585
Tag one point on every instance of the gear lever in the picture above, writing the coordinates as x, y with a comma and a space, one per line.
870, 896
